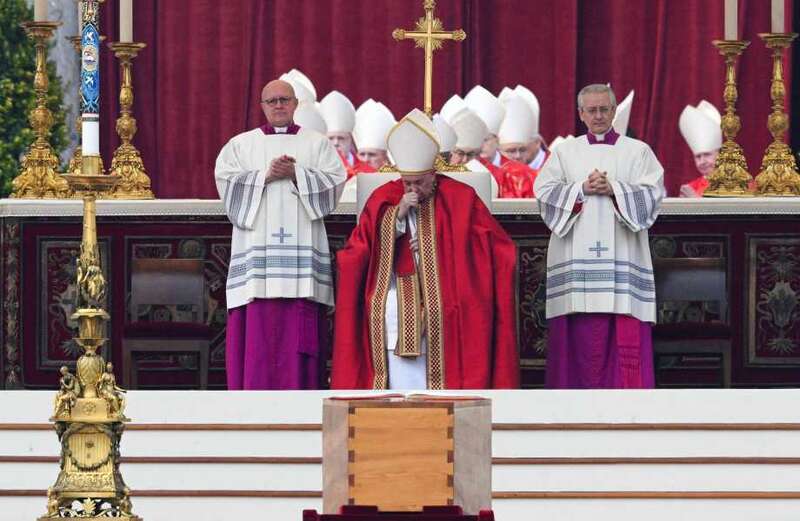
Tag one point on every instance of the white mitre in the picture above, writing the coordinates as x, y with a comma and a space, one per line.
518, 125
623, 115
452, 107
505, 94
470, 130
558, 140
533, 102
308, 116
487, 107
338, 112
295, 77
700, 127
447, 136
373, 122
413, 144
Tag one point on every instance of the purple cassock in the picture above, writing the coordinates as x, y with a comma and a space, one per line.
273, 344
599, 350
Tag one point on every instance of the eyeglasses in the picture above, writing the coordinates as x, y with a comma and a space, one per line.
463, 153
283, 100
604, 111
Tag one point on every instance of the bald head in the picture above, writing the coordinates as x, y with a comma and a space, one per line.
278, 103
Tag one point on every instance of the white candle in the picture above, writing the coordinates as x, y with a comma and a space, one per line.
731, 20
90, 137
778, 20
126, 20
40, 10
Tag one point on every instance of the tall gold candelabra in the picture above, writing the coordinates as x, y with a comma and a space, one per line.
127, 162
730, 177
778, 175
89, 407
38, 177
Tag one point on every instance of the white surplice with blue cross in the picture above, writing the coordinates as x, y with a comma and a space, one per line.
279, 248
598, 259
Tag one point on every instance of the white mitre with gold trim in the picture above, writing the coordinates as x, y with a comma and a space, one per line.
413, 144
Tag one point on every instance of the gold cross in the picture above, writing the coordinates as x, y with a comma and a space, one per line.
429, 34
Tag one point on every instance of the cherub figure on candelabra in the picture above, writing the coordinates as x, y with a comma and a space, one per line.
108, 390
91, 283
68, 393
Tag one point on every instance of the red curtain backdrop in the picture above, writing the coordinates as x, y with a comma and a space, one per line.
198, 82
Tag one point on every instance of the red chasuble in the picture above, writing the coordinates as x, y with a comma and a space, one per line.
517, 177
699, 185
466, 269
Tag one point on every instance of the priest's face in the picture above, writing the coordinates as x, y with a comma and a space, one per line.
596, 112
341, 141
489, 148
374, 157
278, 103
423, 185
517, 151
704, 162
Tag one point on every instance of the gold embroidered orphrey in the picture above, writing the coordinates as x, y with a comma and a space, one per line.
428, 299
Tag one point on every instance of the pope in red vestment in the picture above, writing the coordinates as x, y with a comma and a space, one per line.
459, 269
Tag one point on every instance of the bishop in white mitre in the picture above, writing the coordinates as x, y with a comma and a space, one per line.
277, 182
599, 193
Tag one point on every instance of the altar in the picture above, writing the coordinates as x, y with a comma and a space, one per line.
755, 240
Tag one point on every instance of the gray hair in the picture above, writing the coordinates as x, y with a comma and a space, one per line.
597, 88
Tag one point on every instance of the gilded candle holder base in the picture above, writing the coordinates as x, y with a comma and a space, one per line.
39, 177
127, 162
730, 177
778, 176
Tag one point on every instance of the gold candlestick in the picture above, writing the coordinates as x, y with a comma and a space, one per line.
127, 162
89, 409
730, 177
38, 177
778, 175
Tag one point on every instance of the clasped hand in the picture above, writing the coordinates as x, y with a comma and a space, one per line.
281, 168
597, 184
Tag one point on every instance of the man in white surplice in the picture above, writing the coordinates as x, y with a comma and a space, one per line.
598, 194
277, 182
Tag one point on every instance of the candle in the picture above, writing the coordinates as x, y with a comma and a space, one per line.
40, 10
126, 20
731, 20
778, 20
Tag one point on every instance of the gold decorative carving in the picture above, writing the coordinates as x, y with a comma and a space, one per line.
428, 34
730, 177
778, 175
39, 178
127, 162
443, 166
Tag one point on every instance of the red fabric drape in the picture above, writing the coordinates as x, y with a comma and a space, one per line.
198, 81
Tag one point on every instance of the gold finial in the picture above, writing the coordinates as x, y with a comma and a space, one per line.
429, 34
